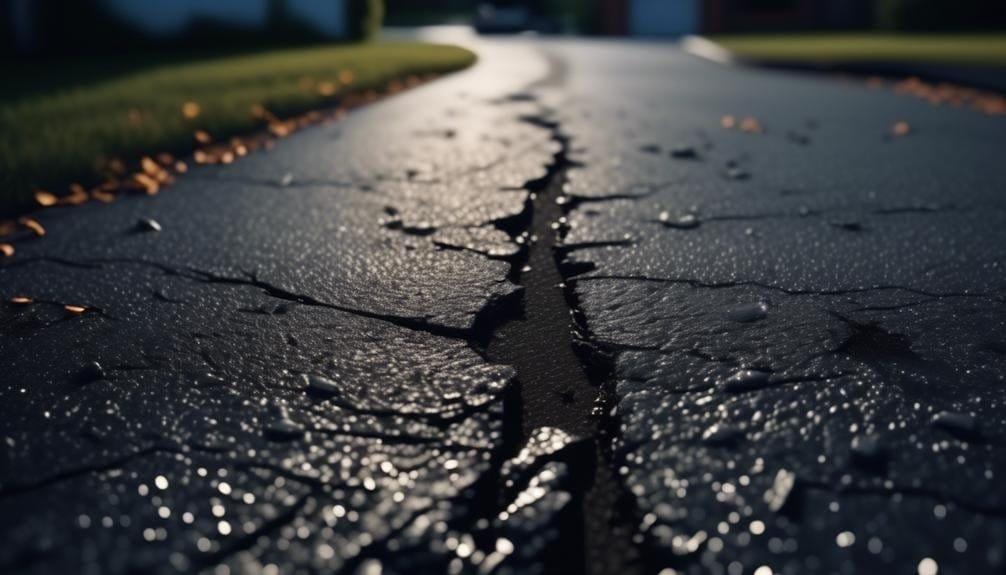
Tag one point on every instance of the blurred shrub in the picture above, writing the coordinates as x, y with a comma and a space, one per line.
75, 27
581, 16
937, 15
365, 18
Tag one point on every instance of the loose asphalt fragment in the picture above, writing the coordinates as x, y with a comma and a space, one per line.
91, 372
147, 225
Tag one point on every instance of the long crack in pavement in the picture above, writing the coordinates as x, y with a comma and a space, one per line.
554, 314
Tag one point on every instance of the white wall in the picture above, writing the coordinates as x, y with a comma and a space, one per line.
168, 17
663, 17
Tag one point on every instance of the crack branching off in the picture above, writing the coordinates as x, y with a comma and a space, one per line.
555, 386
696, 283
494, 304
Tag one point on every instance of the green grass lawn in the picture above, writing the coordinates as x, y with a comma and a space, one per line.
57, 119
983, 49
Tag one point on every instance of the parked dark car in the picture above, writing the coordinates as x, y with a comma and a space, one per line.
509, 17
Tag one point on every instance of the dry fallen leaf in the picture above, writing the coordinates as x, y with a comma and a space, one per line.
20, 300
78, 195
74, 309
149, 166
261, 112
751, 125
326, 88
279, 129
7, 250
33, 225
202, 136
148, 184
347, 77
102, 196
901, 129
190, 110
45, 199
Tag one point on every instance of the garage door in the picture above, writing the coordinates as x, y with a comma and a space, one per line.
663, 17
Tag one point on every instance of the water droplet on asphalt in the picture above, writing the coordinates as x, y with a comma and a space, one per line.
282, 428
782, 487
866, 449
147, 225
746, 380
208, 380
737, 174
959, 424
685, 222
319, 385
91, 372
721, 434
748, 313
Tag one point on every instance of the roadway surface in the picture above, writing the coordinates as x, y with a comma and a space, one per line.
550, 314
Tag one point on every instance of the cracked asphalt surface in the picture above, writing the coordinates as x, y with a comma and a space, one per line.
551, 314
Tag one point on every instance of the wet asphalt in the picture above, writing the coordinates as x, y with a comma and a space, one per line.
586, 307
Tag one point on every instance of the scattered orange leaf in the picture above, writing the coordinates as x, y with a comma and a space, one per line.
146, 183
102, 196
202, 136
751, 125
33, 225
327, 88
279, 129
78, 195
190, 110
347, 77
112, 166
261, 112
149, 166
6, 250
74, 309
45, 199
20, 300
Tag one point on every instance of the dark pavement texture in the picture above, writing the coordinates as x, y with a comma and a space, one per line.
545, 315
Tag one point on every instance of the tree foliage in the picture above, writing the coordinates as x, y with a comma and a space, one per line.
935, 15
364, 18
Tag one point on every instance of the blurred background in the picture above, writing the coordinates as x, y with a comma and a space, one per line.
72, 26
102, 96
